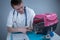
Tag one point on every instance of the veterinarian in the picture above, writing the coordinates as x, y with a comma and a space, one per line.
19, 21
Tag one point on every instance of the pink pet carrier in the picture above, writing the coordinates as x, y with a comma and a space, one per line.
42, 23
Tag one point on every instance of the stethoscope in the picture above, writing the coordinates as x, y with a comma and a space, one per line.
15, 21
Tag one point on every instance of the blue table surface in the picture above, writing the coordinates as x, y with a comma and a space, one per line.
34, 36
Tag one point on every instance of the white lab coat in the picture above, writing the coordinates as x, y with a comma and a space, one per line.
19, 21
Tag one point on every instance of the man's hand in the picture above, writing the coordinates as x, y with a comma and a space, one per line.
20, 29
24, 30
